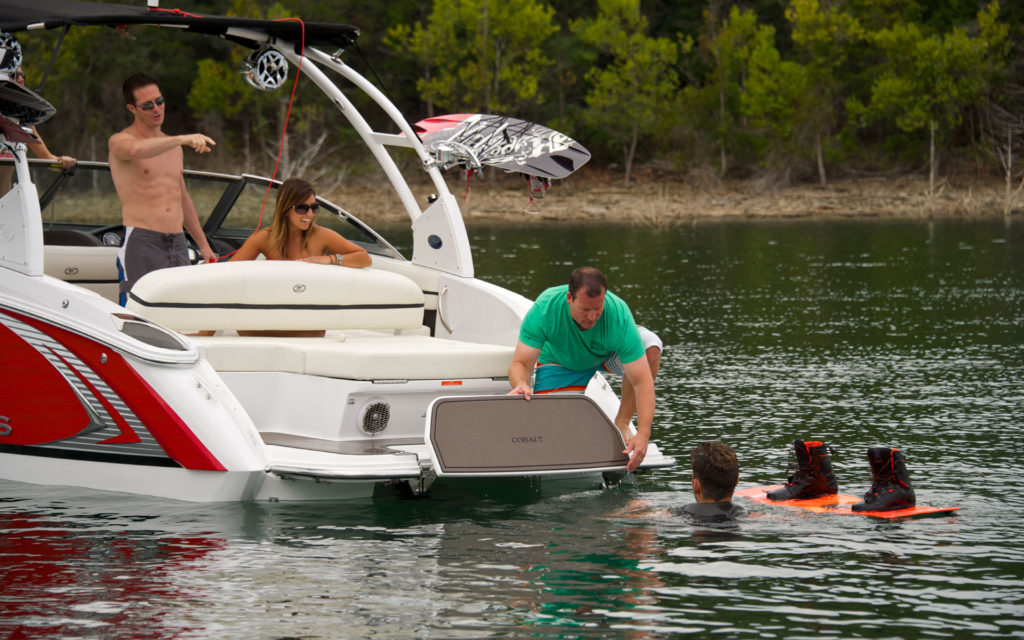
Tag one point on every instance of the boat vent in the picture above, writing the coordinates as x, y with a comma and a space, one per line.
375, 417
149, 333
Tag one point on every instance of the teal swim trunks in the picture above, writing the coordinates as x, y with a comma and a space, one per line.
569, 356
554, 378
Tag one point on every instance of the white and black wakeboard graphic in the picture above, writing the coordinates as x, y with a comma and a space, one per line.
24, 105
477, 140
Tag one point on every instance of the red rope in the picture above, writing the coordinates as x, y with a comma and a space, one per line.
288, 114
538, 190
178, 11
284, 130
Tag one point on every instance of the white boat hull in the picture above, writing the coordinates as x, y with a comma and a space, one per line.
121, 399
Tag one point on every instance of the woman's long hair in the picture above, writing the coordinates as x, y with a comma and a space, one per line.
293, 191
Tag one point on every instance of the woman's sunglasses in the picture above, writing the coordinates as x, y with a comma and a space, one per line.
148, 106
306, 208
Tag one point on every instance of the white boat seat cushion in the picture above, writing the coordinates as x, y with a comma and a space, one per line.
360, 356
277, 295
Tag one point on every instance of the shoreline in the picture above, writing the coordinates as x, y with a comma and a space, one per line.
657, 203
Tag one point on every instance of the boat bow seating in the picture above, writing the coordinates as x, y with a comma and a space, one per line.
373, 320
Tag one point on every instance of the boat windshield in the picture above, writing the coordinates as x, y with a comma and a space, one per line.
229, 206
253, 207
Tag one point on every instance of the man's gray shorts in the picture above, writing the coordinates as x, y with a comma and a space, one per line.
143, 251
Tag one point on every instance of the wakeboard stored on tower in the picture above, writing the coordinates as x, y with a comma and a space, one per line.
475, 140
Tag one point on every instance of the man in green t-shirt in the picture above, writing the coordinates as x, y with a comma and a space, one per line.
572, 331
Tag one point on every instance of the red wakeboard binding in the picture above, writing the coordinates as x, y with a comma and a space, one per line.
890, 482
813, 478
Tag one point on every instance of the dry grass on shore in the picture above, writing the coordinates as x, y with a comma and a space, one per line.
589, 199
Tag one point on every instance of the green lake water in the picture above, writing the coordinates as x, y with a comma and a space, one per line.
906, 334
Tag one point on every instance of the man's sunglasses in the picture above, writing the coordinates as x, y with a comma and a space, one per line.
148, 106
306, 208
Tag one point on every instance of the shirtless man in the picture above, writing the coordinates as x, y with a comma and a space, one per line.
147, 167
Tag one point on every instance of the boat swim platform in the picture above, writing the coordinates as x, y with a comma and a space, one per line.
474, 436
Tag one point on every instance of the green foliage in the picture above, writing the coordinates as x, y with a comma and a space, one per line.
218, 88
772, 93
927, 80
879, 14
854, 84
931, 78
823, 38
821, 33
727, 47
629, 94
729, 44
479, 55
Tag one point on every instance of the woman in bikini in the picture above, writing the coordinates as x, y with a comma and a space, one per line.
294, 234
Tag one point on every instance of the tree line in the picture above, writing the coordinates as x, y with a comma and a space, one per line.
784, 90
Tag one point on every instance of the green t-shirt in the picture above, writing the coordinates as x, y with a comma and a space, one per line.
548, 326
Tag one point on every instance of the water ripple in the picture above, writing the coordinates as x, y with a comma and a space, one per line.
886, 334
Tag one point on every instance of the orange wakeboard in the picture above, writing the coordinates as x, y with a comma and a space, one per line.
838, 503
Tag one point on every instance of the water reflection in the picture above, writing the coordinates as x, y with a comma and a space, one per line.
66, 573
901, 334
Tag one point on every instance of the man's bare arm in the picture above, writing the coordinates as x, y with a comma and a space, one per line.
638, 373
125, 146
190, 220
521, 369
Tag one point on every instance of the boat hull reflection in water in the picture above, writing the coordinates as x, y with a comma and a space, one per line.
860, 334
